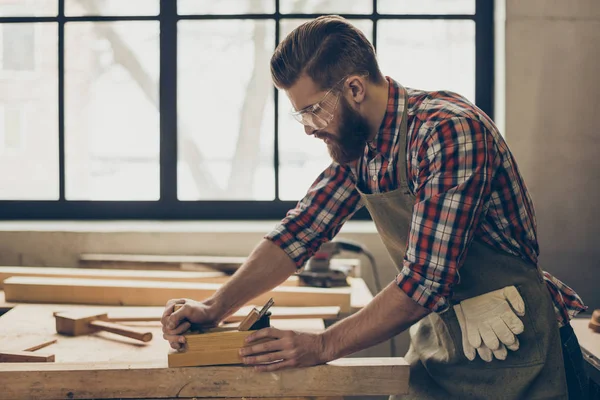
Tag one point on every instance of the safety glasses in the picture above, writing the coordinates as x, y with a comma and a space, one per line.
317, 116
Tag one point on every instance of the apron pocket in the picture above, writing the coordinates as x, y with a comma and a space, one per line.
529, 352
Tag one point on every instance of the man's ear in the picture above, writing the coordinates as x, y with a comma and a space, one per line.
358, 87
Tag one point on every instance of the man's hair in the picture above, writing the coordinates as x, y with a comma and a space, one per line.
326, 49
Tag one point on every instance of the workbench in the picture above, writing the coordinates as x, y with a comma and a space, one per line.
105, 365
590, 347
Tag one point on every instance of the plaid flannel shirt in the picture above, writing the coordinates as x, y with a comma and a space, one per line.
466, 184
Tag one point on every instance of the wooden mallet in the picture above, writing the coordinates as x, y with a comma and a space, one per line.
83, 323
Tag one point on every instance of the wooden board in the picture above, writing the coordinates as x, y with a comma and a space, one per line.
181, 262
100, 366
27, 325
160, 262
350, 376
150, 293
90, 273
588, 339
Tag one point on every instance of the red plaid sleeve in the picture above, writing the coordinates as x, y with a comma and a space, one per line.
453, 184
331, 200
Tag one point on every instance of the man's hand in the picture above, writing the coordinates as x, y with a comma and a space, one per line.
175, 323
286, 349
489, 324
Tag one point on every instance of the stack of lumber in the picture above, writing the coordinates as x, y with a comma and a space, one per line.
147, 288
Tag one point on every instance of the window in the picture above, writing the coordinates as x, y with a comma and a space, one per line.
165, 109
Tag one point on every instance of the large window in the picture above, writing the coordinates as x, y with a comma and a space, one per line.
165, 109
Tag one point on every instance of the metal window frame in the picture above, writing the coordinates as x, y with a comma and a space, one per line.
168, 207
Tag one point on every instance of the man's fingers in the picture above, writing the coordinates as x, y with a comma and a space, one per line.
265, 358
275, 366
270, 346
177, 316
183, 327
176, 342
514, 298
264, 333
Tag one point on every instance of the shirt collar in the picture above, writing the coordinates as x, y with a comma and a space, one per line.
390, 125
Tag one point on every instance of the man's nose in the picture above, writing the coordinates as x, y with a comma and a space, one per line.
309, 130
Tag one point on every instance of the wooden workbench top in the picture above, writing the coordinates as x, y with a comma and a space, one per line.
104, 365
28, 324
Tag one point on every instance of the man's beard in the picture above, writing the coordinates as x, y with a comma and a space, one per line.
350, 143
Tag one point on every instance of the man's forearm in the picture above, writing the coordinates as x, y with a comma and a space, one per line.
266, 267
388, 314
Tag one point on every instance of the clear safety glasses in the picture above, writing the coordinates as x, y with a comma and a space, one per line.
317, 116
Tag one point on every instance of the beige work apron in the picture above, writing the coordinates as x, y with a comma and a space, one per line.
439, 368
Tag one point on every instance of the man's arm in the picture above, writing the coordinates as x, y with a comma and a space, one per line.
389, 313
266, 267
331, 200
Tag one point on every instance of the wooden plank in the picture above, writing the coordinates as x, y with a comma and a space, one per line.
343, 377
160, 262
30, 324
587, 338
181, 262
90, 273
40, 345
151, 293
25, 357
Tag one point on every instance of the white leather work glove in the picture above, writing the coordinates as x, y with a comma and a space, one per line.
489, 325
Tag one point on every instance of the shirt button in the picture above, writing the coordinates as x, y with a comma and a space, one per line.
374, 178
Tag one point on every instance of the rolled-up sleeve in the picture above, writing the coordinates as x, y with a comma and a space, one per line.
331, 200
452, 188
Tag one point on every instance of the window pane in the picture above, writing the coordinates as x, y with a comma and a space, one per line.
111, 7
225, 126
111, 110
225, 7
28, 111
441, 59
326, 6
301, 157
426, 7
29, 8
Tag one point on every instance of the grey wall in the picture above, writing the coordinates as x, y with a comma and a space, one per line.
552, 115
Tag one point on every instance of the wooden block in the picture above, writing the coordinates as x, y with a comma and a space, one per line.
344, 377
25, 356
89, 273
152, 293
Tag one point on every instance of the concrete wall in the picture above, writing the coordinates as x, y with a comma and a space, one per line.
552, 114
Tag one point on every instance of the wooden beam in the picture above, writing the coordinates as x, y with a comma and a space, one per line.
150, 293
24, 356
90, 273
160, 262
180, 262
343, 377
